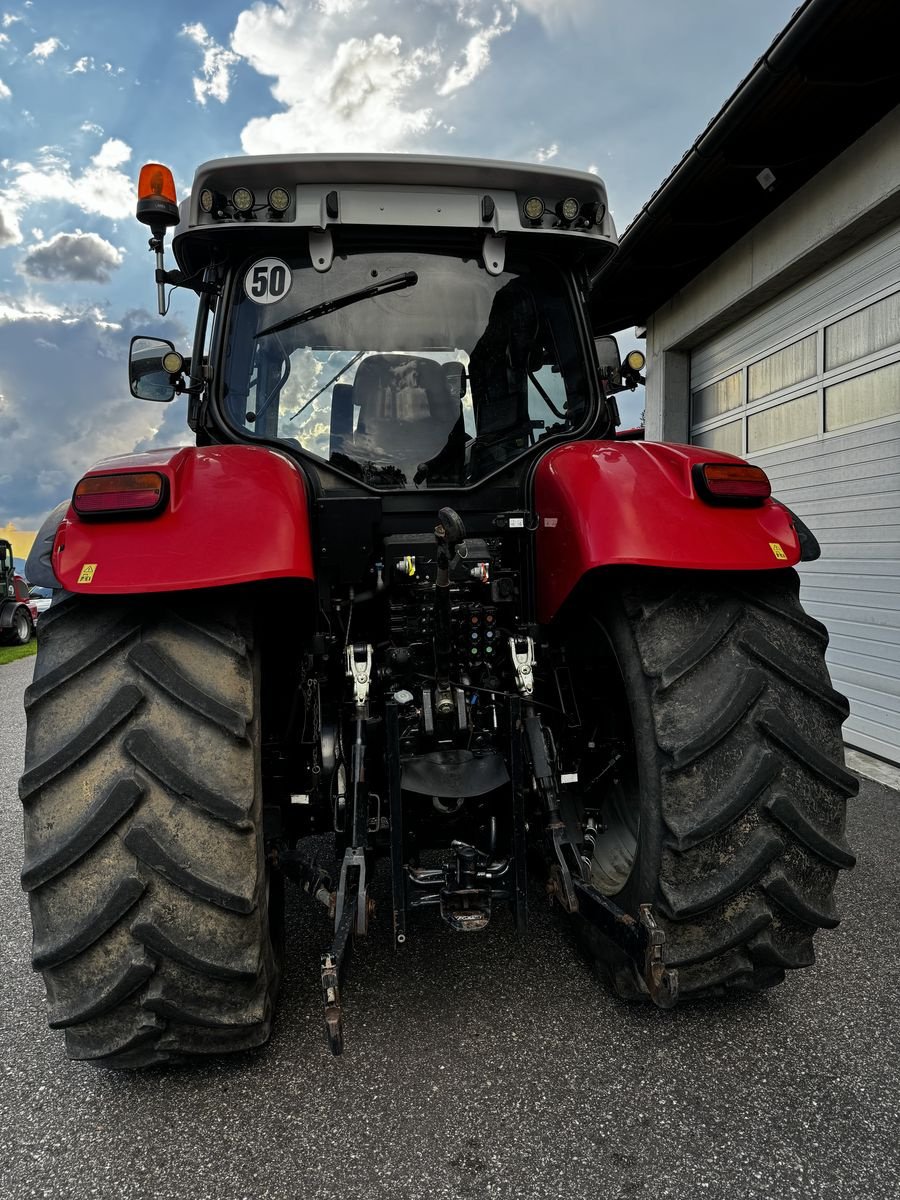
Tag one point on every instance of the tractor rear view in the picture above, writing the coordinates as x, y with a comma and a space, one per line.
409, 590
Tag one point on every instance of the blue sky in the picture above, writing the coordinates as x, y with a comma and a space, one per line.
89, 91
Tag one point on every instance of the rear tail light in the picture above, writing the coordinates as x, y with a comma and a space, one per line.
731, 483
142, 493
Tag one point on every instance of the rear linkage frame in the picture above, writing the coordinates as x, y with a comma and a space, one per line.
465, 890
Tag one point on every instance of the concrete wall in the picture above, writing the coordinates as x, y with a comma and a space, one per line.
853, 197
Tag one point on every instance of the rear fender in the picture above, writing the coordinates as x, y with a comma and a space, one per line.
235, 514
611, 503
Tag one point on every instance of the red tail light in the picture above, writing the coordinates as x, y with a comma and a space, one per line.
731, 483
141, 493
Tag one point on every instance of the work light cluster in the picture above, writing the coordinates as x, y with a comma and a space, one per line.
570, 212
243, 203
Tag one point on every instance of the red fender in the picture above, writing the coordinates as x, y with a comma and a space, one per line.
235, 514
615, 503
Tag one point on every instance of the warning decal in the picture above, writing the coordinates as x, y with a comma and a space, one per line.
778, 550
87, 573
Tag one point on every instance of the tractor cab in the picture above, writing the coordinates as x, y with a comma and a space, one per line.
409, 324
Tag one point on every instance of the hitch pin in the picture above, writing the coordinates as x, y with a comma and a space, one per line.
522, 653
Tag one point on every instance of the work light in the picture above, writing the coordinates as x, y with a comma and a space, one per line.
242, 199
533, 208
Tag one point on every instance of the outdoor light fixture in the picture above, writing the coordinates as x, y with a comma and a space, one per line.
731, 483
593, 213
279, 200
568, 209
157, 204
141, 493
534, 208
207, 201
242, 199
172, 362
635, 360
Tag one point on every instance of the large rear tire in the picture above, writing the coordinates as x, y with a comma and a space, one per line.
144, 854
726, 811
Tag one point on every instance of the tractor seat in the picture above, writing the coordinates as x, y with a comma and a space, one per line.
407, 410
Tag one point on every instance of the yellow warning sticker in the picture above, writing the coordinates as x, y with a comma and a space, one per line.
778, 550
87, 573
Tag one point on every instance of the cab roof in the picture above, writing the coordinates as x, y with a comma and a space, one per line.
424, 191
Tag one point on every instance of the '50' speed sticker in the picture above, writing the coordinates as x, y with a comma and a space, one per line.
268, 281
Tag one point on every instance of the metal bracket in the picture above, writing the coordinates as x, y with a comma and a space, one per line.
661, 981
522, 654
321, 249
353, 857
332, 966
642, 940
494, 252
359, 669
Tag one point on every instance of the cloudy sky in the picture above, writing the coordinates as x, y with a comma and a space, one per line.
89, 91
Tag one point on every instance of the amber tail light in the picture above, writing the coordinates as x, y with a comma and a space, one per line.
124, 494
731, 483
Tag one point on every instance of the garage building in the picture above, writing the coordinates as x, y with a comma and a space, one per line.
766, 271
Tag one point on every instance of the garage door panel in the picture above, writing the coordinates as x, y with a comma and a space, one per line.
888, 520
872, 738
840, 656
868, 686
865, 636
845, 485
845, 575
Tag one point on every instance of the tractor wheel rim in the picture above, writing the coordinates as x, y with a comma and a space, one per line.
22, 630
616, 848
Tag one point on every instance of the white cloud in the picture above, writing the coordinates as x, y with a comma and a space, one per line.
545, 154
5, 93
113, 153
218, 64
100, 189
349, 77
9, 19
10, 233
4, 39
42, 50
85, 257
477, 57
82, 66
91, 127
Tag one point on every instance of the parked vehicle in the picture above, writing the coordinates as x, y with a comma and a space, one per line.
409, 589
41, 598
17, 611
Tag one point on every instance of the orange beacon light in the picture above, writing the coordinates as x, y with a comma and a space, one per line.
157, 207
157, 204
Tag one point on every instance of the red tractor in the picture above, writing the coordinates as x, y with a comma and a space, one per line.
410, 591
18, 613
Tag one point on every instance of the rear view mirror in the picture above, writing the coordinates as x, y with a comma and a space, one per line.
609, 362
147, 376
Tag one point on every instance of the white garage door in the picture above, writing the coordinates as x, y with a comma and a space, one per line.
809, 387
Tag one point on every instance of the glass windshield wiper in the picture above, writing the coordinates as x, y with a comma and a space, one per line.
395, 284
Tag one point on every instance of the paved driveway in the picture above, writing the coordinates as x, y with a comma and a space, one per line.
481, 1068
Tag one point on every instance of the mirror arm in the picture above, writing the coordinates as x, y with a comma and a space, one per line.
183, 389
179, 279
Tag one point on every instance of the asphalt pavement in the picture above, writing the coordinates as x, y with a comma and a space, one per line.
478, 1067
